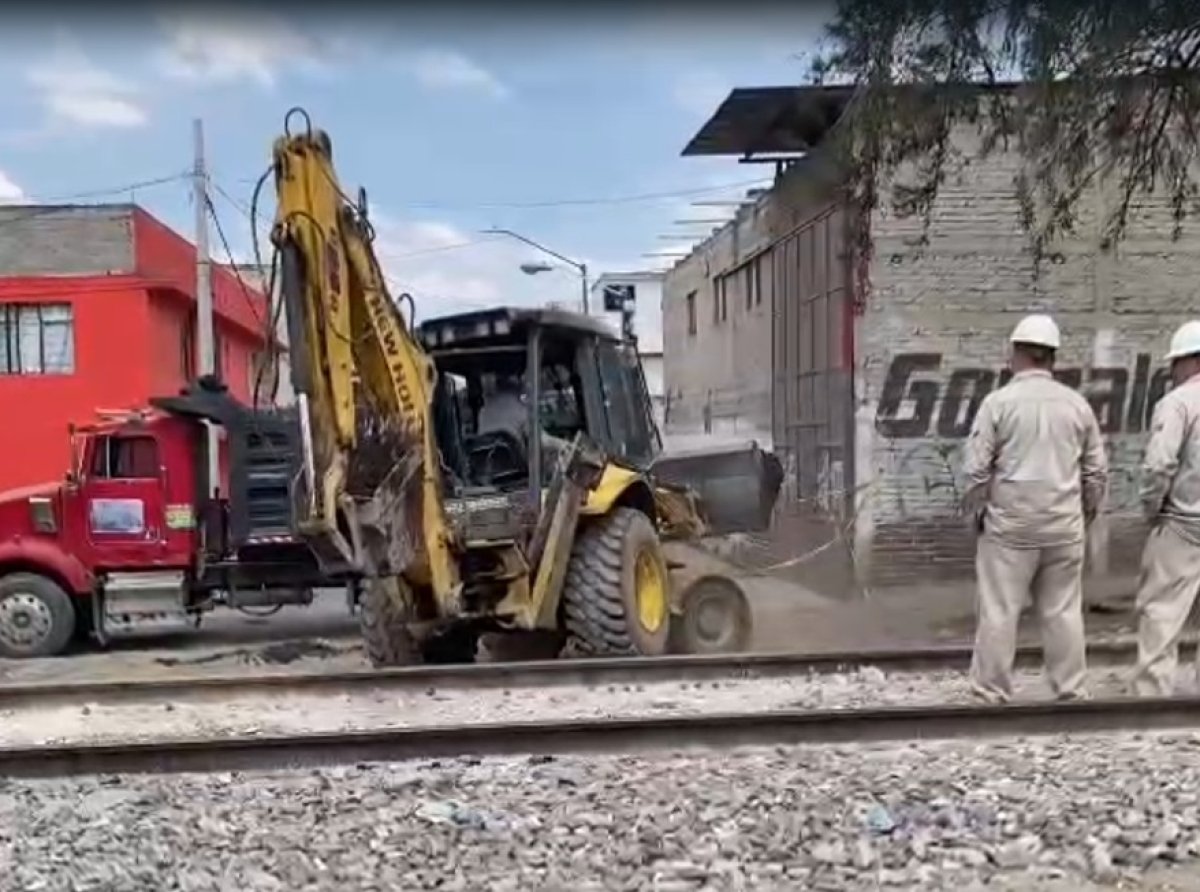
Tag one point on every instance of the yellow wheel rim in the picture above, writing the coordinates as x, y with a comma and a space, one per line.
651, 592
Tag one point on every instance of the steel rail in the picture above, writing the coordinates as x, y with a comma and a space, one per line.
640, 734
541, 673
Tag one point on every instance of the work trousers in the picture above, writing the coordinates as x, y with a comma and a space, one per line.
1166, 591
1007, 578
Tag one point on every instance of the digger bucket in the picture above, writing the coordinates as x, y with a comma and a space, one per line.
737, 485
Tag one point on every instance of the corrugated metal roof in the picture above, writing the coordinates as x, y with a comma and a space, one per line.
756, 120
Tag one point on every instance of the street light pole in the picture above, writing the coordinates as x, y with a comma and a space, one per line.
580, 267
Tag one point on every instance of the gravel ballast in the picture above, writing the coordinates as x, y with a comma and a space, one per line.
1050, 813
282, 712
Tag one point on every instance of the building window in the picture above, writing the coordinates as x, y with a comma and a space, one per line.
720, 299
691, 313
37, 339
756, 280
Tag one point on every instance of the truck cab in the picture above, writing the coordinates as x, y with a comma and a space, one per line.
131, 537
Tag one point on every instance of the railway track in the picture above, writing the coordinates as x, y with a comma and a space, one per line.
604, 735
769, 727
543, 673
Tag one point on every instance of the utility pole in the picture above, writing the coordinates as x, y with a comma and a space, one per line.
205, 359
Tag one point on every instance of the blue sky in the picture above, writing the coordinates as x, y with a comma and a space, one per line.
454, 122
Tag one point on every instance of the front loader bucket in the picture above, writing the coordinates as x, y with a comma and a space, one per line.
737, 485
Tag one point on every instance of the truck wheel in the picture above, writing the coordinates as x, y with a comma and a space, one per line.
383, 622
37, 618
715, 619
616, 599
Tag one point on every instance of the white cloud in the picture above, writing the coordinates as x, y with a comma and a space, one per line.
450, 270
10, 192
699, 92
450, 70
76, 91
235, 47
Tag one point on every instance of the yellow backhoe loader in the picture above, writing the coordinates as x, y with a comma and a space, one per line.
496, 471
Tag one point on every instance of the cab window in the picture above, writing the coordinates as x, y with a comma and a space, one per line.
630, 436
125, 458
560, 412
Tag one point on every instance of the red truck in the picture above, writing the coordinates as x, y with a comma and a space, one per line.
129, 537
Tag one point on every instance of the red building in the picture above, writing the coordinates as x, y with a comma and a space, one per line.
97, 311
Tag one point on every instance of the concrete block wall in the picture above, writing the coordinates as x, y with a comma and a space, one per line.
932, 341
66, 240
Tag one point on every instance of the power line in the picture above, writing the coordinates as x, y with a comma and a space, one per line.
236, 204
50, 204
115, 190
220, 190
577, 202
452, 247
581, 202
233, 266
421, 252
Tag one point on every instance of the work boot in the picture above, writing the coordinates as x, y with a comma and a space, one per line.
1073, 696
984, 696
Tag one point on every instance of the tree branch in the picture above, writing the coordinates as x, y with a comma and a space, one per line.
1110, 88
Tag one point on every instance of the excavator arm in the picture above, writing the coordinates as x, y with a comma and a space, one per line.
369, 496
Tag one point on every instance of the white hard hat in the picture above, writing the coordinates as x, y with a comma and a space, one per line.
1185, 341
1037, 329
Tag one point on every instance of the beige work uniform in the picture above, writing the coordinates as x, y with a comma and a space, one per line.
1170, 577
1035, 466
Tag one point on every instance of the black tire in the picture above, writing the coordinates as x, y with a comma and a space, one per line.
37, 618
386, 636
600, 598
715, 619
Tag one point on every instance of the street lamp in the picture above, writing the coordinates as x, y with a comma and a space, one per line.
532, 269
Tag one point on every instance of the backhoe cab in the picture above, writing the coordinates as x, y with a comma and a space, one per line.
494, 471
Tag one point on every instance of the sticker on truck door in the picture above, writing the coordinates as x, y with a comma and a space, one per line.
180, 517
118, 516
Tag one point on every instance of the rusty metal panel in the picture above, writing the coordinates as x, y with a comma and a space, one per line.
813, 405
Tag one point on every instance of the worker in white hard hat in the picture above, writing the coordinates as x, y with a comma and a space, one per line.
1170, 494
1036, 474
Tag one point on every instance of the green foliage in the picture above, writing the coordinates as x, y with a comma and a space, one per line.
1088, 91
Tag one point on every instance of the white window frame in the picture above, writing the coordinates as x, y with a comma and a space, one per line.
24, 344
